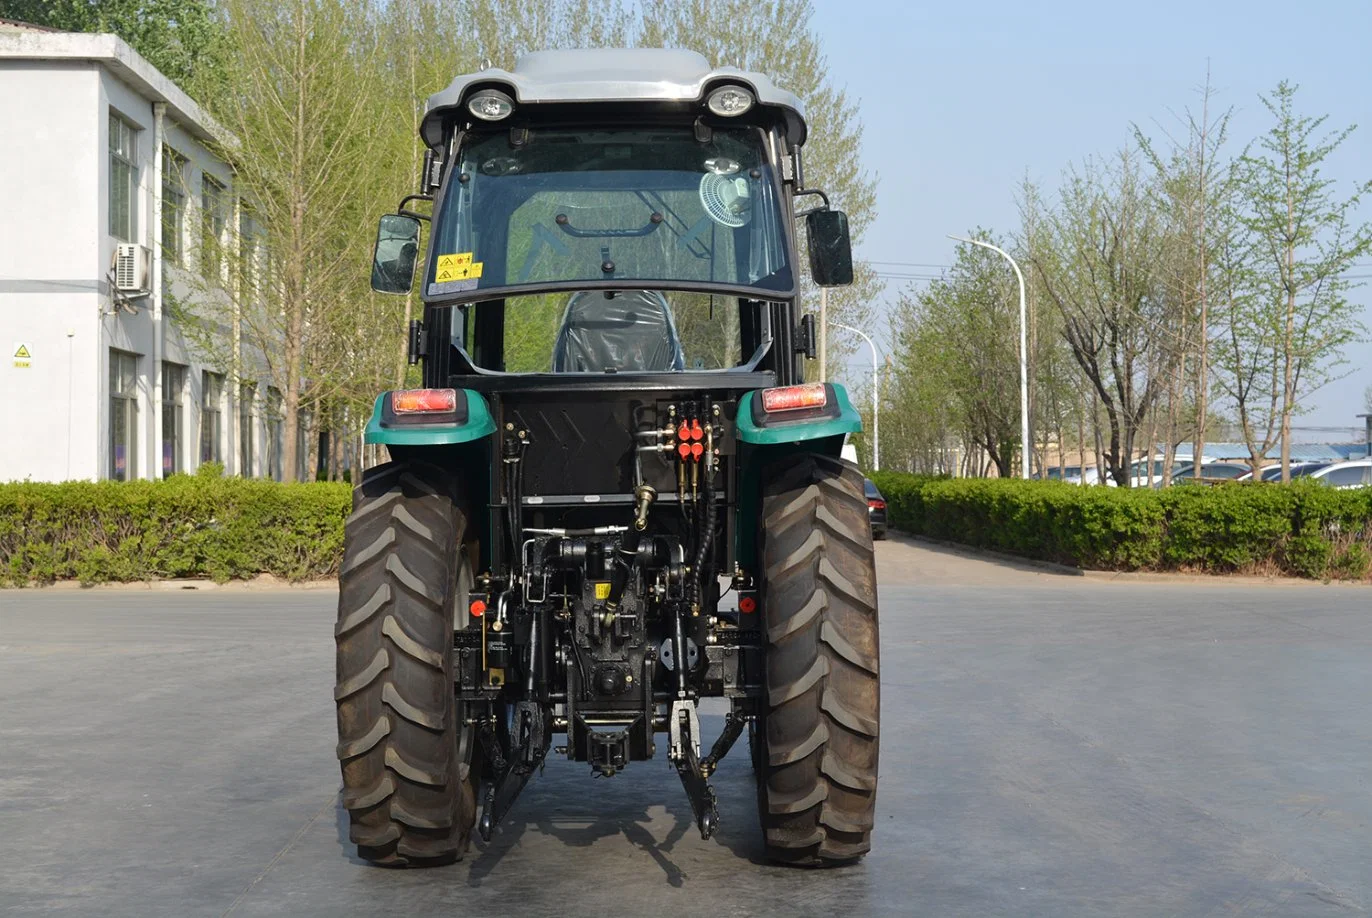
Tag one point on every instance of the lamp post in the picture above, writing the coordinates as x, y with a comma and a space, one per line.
1023, 354
876, 371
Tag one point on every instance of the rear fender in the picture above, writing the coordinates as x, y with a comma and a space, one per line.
765, 439
472, 421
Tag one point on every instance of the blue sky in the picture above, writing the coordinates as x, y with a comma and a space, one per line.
961, 101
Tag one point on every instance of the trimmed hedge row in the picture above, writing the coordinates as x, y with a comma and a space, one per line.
1303, 529
228, 528
203, 527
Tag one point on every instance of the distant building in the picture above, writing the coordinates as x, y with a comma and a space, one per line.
108, 188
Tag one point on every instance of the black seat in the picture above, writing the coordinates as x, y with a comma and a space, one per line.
627, 331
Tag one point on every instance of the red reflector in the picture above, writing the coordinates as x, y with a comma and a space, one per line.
417, 401
478, 608
790, 398
877, 504
747, 605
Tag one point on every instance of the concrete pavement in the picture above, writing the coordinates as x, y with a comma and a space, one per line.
1052, 745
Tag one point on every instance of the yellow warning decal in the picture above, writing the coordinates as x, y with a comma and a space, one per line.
22, 353
456, 267
602, 591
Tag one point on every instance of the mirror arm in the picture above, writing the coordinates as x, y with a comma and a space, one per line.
410, 213
815, 192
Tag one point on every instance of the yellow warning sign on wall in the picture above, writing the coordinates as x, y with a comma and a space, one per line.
23, 355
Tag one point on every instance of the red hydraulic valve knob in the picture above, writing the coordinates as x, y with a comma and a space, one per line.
696, 450
697, 432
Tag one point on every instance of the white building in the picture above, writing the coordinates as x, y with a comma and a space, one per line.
100, 155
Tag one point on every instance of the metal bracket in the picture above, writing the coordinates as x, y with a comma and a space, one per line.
685, 755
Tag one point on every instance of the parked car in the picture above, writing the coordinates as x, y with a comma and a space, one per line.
876, 510
1273, 472
1353, 474
1139, 477
1210, 471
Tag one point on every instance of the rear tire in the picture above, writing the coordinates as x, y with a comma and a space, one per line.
818, 737
409, 785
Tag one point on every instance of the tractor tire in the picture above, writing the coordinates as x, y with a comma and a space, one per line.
817, 778
409, 783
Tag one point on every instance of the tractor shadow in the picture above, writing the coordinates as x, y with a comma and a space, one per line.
645, 806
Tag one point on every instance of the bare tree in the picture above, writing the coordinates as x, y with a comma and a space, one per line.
1106, 239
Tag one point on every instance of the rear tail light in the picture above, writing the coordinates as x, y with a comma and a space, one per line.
424, 401
876, 504
793, 398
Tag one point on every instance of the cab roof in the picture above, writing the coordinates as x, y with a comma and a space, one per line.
610, 75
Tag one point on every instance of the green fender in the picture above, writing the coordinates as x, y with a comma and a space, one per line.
761, 446
479, 424
848, 421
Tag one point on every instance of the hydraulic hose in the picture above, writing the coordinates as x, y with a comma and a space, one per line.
627, 559
707, 537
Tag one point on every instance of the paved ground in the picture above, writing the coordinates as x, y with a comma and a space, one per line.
1052, 745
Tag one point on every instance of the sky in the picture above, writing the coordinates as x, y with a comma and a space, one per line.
961, 101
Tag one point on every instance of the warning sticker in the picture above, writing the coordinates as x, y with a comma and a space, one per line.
456, 268
602, 591
454, 261
23, 356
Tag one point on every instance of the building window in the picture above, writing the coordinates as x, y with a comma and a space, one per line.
123, 415
212, 417
246, 393
303, 424
276, 442
252, 253
213, 220
173, 207
123, 179
173, 384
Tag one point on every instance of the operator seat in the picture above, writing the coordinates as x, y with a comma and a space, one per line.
626, 331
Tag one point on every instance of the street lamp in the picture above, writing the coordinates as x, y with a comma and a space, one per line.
1023, 355
876, 370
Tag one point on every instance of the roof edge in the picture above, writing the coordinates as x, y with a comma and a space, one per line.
119, 58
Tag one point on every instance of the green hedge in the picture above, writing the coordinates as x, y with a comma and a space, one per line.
203, 526
1303, 529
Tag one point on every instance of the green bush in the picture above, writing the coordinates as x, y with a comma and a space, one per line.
1303, 529
186, 526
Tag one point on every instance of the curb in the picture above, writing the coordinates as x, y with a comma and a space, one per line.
260, 584
1174, 577
971, 551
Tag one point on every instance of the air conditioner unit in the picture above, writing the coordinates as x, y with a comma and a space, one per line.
133, 268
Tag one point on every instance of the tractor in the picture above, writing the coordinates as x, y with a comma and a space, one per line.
615, 495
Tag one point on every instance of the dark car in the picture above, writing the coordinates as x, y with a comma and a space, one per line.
876, 510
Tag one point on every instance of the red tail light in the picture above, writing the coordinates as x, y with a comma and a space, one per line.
876, 504
791, 398
424, 401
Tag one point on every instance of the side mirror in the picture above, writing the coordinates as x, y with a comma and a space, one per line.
831, 251
397, 246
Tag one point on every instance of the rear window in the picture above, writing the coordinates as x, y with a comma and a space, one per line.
870, 487
1346, 476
